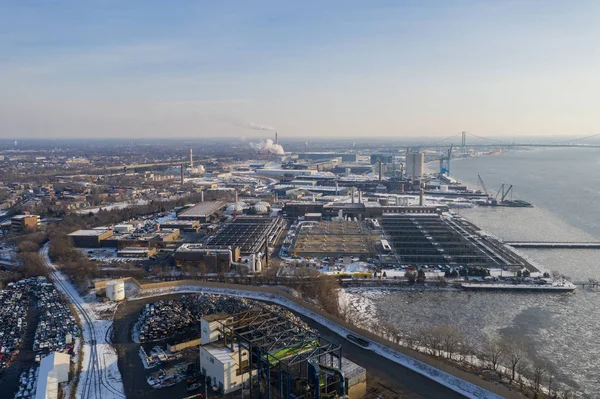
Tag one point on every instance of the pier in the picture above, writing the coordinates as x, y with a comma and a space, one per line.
554, 244
590, 283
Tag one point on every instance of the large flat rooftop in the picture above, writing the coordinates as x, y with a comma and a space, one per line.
331, 238
202, 210
436, 239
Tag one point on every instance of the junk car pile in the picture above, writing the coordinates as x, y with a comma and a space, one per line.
14, 304
166, 319
56, 323
27, 384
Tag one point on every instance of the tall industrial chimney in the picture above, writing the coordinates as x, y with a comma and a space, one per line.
182, 179
191, 159
380, 170
276, 138
421, 192
267, 252
235, 205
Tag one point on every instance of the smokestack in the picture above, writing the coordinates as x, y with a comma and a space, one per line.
266, 252
276, 138
352, 191
202, 196
380, 170
421, 202
191, 159
359, 197
235, 205
181, 173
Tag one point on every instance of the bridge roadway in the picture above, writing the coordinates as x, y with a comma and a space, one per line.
554, 244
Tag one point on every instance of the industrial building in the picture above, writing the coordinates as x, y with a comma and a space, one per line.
295, 209
90, 238
333, 239
430, 238
248, 233
282, 358
415, 162
216, 259
346, 157
136, 252
147, 240
22, 223
188, 226
203, 211
54, 369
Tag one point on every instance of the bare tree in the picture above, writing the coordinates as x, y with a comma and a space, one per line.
539, 370
451, 338
514, 348
522, 369
551, 379
493, 352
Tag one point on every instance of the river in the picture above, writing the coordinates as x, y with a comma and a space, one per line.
561, 329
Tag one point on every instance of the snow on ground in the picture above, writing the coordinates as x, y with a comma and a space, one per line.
456, 384
104, 376
116, 205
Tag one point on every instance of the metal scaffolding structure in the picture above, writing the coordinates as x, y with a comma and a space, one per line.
279, 350
248, 233
435, 239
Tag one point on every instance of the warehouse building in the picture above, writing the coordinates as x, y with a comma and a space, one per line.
148, 240
203, 211
90, 238
216, 259
188, 226
54, 369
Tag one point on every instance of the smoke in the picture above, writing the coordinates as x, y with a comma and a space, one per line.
255, 126
268, 147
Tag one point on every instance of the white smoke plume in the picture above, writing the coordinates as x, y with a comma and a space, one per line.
255, 126
268, 147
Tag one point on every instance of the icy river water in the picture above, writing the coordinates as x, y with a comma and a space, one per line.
563, 329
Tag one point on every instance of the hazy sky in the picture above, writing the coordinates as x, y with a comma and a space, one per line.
309, 68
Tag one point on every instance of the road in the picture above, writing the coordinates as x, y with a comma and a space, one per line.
94, 381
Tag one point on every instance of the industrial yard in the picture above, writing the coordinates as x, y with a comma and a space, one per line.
384, 378
333, 238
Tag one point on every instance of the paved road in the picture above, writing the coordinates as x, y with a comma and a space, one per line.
388, 378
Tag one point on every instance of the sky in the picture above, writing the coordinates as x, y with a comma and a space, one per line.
373, 68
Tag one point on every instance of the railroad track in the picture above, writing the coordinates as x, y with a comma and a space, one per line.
95, 377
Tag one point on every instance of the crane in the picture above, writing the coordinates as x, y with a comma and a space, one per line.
485, 190
445, 167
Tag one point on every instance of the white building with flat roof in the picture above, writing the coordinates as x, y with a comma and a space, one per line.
224, 365
54, 369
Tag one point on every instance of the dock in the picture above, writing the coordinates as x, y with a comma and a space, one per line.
554, 244
566, 287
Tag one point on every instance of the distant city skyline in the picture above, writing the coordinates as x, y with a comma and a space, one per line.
311, 69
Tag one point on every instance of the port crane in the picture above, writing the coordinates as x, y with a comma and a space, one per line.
504, 192
445, 162
483, 187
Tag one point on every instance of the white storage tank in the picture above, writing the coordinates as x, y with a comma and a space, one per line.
115, 290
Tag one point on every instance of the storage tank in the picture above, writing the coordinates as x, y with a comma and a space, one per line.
115, 290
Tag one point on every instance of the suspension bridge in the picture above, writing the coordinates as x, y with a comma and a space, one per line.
482, 141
